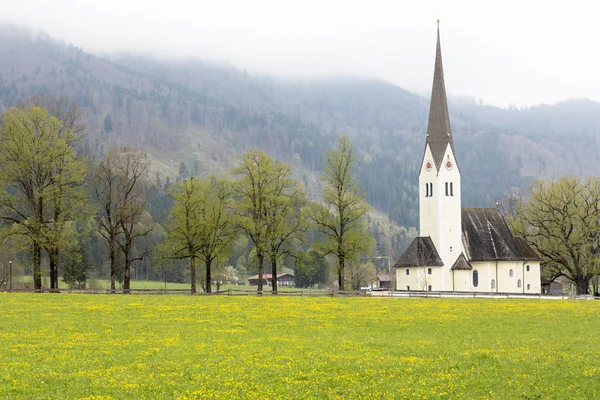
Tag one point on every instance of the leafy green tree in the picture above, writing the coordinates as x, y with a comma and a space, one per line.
285, 218
69, 198
561, 221
201, 224
41, 183
342, 216
310, 269
76, 267
257, 187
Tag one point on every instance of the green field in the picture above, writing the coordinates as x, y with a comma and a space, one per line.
103, 346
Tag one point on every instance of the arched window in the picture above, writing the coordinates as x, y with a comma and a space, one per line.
510, 273
427, 190
475, 278
528, 286
428, 271
519, 283
527, 269
493, 284
431, 189
451, 191
407, 271
446, 188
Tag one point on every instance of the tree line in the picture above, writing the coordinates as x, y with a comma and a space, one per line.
55, 200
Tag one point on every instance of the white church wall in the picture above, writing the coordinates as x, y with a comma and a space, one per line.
449, 245
521, 281
419, 278
462, 280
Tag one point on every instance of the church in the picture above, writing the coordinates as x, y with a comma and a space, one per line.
459, 249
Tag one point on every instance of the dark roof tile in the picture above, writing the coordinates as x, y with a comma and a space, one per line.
486, 237
420, 253
461, 263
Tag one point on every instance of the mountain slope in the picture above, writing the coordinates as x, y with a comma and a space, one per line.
203, 115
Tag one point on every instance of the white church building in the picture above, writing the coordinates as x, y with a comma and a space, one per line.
459, 249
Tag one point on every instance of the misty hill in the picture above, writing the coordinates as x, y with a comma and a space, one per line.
202, 115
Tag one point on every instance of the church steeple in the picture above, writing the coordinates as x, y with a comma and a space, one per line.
439, 134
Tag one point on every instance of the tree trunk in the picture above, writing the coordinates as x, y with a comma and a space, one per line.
113, 267
193, 274
53, 256
582, 286
208, 277
260, 257
37, 267
127, 276
274, 274
342, 261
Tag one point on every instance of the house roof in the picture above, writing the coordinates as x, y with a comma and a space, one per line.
270, 276
439, 135
420, 253
486, 237
384, 278
461, 263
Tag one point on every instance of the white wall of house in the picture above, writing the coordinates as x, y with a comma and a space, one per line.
419, 278
497, 277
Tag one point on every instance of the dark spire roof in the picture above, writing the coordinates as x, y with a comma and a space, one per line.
420, 253
462, 263
438, 128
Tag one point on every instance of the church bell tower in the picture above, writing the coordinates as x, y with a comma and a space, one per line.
439, 176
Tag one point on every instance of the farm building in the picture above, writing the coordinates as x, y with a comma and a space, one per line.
282, 279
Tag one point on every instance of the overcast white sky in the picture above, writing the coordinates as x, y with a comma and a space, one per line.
505, 52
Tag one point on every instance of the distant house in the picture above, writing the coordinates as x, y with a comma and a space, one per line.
282, 280
384, 281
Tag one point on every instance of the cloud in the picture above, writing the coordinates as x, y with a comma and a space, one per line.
510, 52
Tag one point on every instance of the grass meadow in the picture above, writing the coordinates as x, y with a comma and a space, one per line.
119, 346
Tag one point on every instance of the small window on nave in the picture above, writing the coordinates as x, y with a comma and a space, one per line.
519, 283
510, 273
493, 284
527, 269
528, 286
407, 271
428, 271
475, 278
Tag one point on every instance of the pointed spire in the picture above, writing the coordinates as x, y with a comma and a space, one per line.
438, 128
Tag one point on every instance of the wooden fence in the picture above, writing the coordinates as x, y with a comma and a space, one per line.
314, 293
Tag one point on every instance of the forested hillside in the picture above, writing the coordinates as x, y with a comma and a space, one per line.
193, 116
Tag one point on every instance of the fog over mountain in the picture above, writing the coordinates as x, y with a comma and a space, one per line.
195, 116
511, 52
